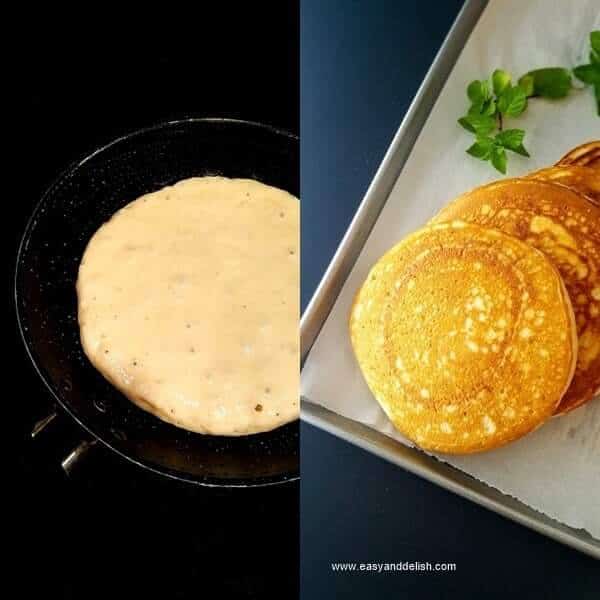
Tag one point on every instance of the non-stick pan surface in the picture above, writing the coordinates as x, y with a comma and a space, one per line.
79, 201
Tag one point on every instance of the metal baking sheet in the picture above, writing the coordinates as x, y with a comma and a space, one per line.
346, 255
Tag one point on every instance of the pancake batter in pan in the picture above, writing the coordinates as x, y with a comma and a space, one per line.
189, 304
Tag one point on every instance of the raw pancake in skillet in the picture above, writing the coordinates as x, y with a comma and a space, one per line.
566, 227
189, 304
446, 333
583, 180
586, 155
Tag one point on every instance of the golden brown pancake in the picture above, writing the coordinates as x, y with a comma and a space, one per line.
584, 180
585, 155
465, 336
566, 227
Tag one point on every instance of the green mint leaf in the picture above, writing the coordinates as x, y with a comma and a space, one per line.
479, 124
521, 150
489, 107
464, 122
499, 159
526, 82
589, 74
476, 108
513, 101
485, 107
553, 82
595, 41
512, 139
595, 47
500, 81
478, 91
509, 138
482, 148
597, 92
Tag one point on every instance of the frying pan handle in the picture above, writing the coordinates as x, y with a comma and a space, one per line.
76, 455
79, 452
40, 425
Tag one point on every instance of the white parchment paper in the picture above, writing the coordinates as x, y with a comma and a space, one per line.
556, 469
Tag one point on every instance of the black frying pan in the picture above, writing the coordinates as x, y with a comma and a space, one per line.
70, 211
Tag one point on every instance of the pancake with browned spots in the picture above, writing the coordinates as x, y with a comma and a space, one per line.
566, 227
583, 180
465, 336
586, 155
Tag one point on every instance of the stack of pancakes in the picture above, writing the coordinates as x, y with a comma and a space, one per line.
474, 330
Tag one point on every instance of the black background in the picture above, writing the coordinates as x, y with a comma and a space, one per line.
77, 81
361, 64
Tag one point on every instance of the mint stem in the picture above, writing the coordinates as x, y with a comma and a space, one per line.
499, 121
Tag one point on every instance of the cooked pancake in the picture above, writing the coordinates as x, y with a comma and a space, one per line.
465, 336
188, 303
584, 180
594, 163
566, 227
585, 155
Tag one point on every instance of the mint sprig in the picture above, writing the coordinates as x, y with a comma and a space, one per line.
496, 99
590, 73
491, 104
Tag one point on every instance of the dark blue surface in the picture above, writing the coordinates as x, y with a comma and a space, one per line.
361, 64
